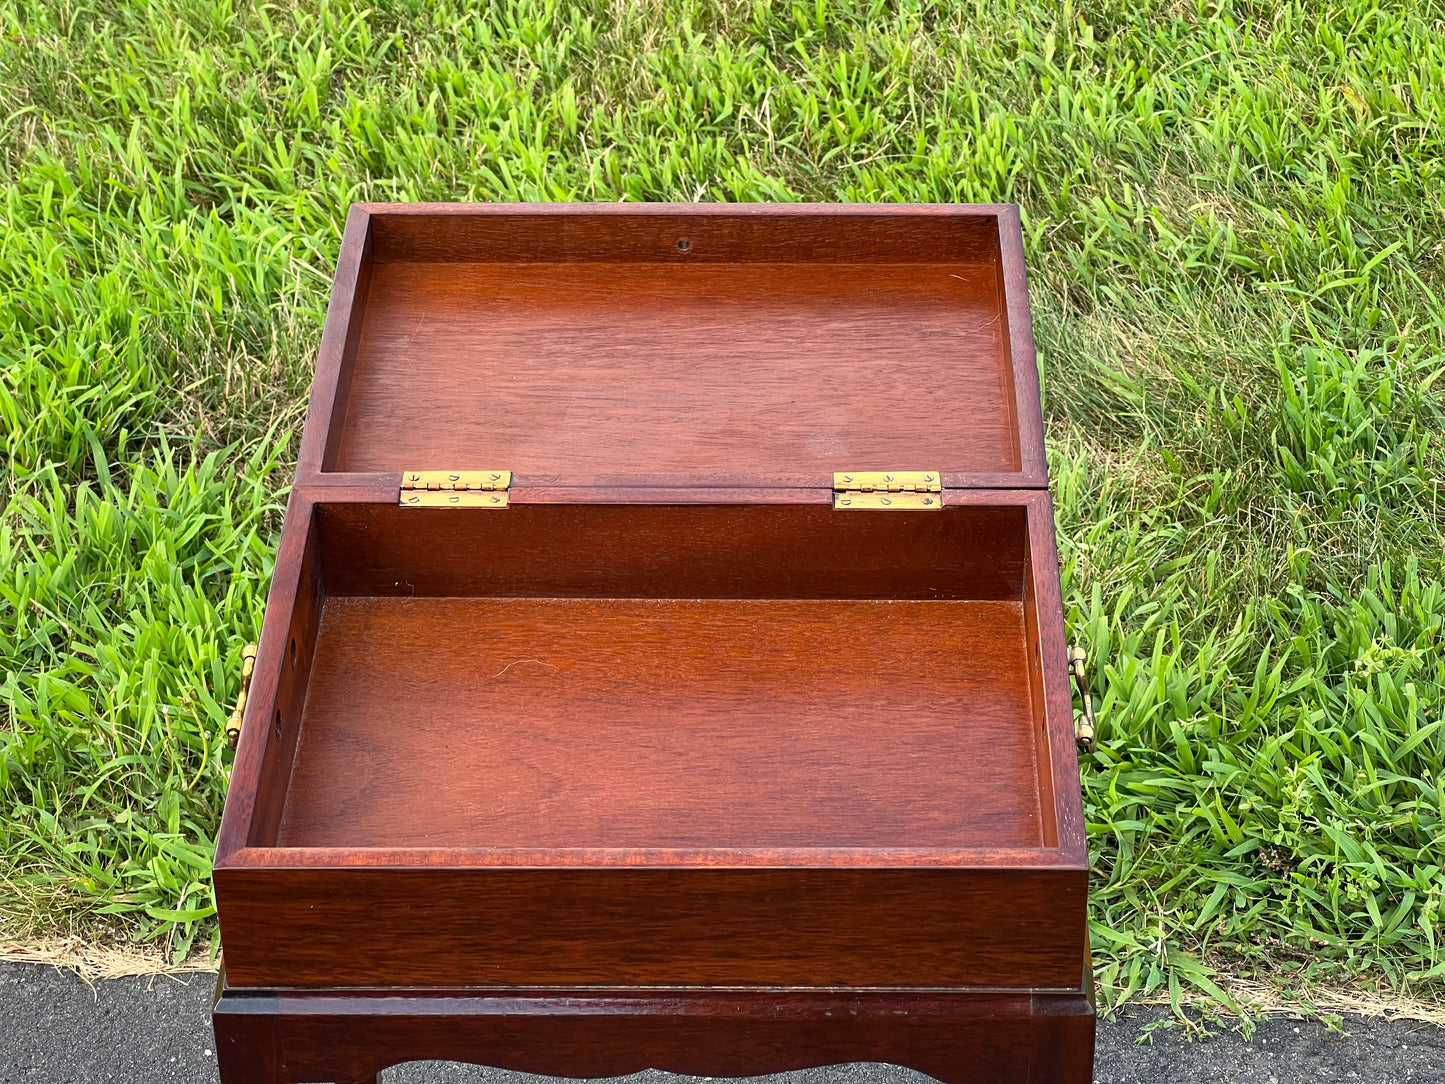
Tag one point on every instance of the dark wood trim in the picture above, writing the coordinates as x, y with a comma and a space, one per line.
958, 1037
382, 488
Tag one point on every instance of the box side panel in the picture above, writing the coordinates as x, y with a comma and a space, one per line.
278, 720
674, 551
1038, 696
263, 758
1018, 342
652, 927
1058, 757
335, 359
684, 233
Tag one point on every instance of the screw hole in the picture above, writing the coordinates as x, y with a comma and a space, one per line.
684, 245
276, 724
293, 653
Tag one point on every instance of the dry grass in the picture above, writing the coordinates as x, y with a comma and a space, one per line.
94, 962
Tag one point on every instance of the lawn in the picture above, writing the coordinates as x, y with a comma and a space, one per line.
1235, 221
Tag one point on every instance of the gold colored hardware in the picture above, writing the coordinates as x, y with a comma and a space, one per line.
454, 489
248, 667
1084, 727
897, 491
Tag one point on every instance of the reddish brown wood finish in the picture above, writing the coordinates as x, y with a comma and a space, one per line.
535, 364
651, 926
1005, 1037
986, 521
686, 723
575, 729
345, 316
668, 721
741, 551
784, 343
1013, 304
717, 233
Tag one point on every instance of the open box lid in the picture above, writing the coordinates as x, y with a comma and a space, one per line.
677, 346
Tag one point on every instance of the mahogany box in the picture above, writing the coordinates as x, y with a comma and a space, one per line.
664, 664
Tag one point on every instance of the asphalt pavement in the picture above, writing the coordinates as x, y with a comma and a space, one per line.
56, 1029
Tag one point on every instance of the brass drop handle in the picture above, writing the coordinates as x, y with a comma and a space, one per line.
1083, 728
248, 666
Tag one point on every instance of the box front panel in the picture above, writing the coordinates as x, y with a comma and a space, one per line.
653, 927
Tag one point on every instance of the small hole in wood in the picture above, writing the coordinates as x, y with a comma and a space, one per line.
293, 653
684, 245
276, 724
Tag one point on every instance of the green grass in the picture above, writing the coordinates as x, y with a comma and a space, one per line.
1234, 221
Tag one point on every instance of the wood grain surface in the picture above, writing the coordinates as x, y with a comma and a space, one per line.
652, 926
1050, 681
955, 1037
716, 232
674, 551
449, 722
669, 720
331, 386
425, 895
571, 371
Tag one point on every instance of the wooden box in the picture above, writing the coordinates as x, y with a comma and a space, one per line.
666, 621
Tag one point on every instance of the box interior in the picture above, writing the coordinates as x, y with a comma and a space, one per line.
575, 349
727, 677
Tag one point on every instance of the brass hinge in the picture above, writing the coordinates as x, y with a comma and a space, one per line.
454, 489
1084, 728
898, 490
248, 667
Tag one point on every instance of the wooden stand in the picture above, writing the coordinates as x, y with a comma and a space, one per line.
282, 1037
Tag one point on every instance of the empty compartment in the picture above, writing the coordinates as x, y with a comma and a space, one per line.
680, 677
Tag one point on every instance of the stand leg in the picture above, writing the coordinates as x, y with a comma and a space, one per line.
245, 1047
